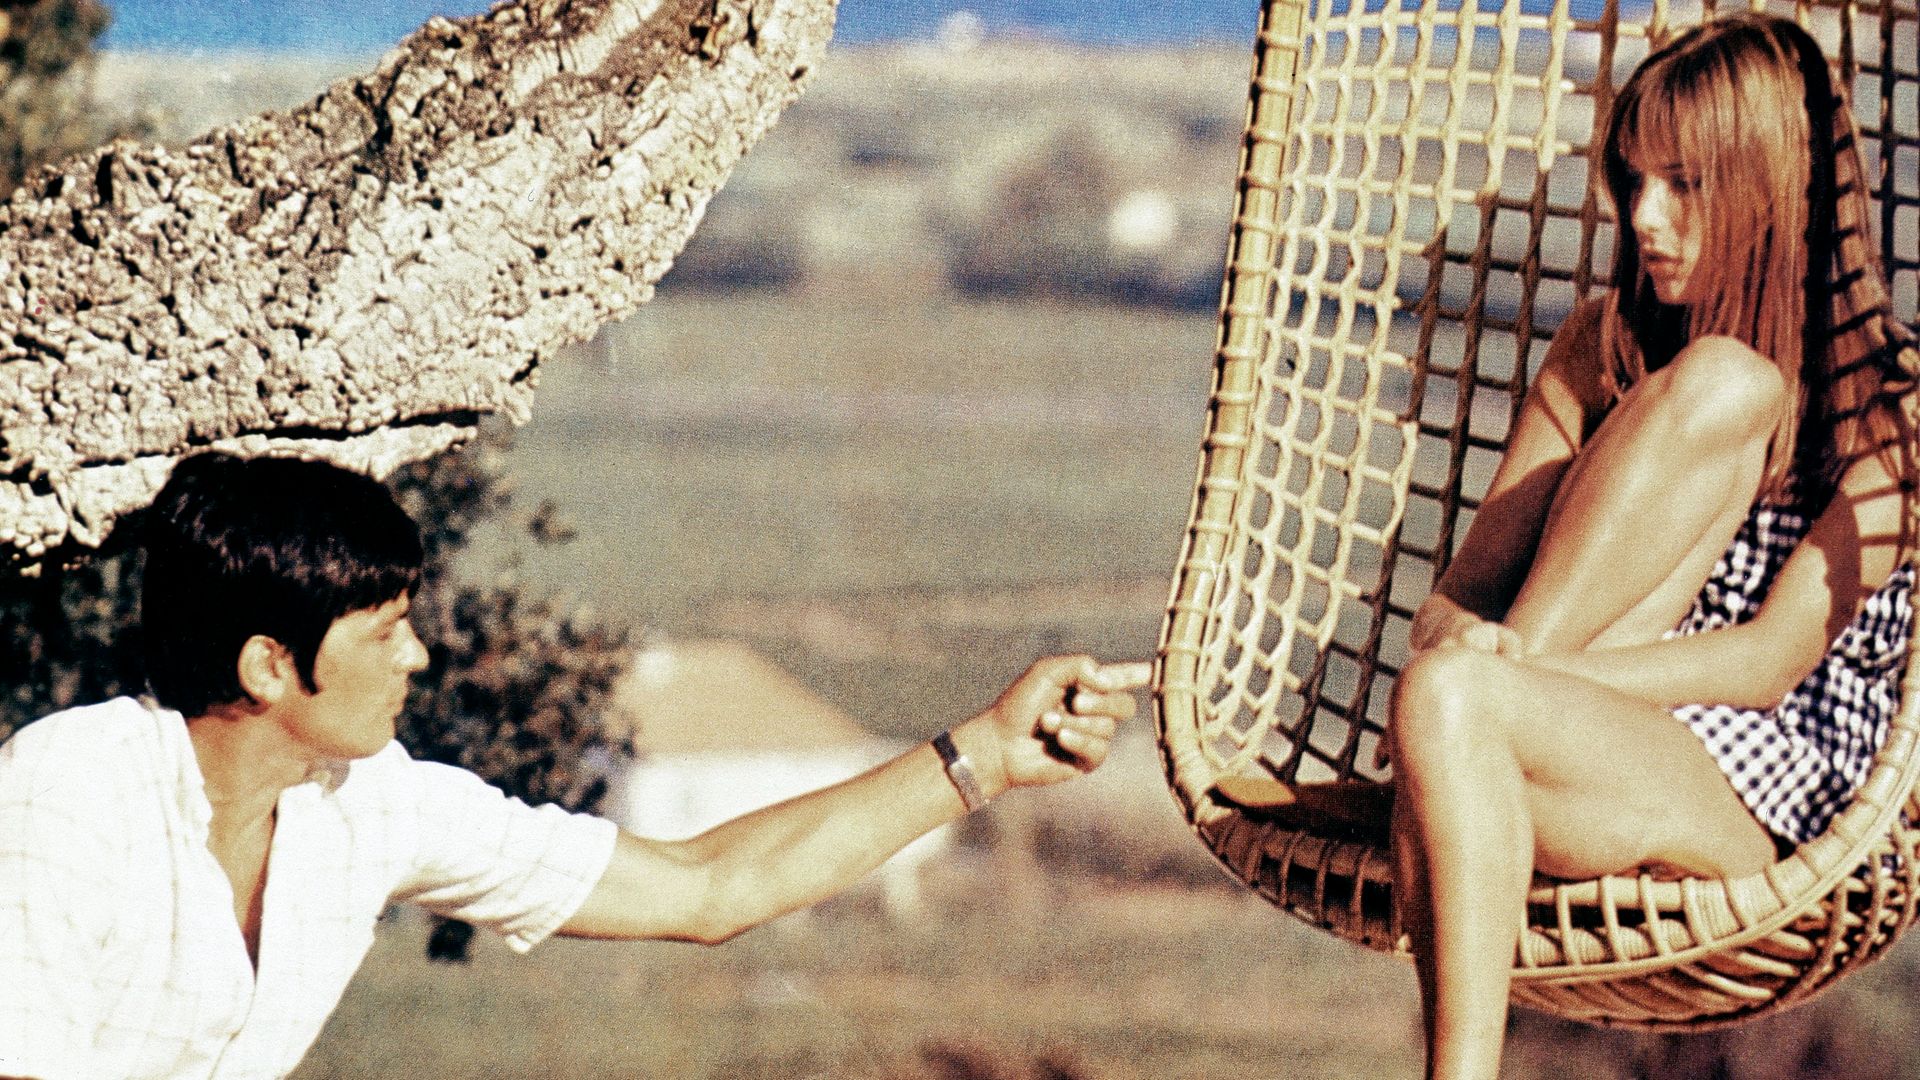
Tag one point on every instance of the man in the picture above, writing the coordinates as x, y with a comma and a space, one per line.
187, 883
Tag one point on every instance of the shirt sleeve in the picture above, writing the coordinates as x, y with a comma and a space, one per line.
56, 884
491, 860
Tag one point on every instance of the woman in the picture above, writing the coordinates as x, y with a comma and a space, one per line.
1701, 517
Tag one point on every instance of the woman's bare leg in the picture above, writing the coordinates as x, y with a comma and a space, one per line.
1501, 767
1652, 501
1644, 512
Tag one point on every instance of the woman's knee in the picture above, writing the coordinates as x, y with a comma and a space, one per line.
1722, 389
1442, 705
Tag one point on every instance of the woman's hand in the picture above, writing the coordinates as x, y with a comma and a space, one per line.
1488, 637
1438, 619
1054, 723
1442, 623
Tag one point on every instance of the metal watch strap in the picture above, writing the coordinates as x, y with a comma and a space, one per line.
960, 771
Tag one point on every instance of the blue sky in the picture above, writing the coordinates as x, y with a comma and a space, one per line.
359, 26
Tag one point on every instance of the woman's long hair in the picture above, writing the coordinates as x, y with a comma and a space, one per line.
1787, 262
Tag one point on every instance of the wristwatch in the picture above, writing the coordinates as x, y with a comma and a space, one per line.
960, 771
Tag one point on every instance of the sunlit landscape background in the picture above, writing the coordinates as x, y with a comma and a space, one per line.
920, 403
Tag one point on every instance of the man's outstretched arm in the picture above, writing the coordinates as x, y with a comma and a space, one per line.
1054, 723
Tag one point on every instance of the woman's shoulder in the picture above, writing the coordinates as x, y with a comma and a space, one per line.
1584, 327
1577, 356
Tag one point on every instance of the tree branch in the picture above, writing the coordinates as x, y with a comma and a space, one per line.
365, 277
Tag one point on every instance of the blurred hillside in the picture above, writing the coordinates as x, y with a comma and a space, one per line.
1007, 167
1010, 168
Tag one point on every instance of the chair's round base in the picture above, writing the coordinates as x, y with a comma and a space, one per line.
1639, 952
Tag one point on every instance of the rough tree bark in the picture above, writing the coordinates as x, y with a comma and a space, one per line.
367, 276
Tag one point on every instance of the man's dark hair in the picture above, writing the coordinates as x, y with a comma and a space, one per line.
274, 546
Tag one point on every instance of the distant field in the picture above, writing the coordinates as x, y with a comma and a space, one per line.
1018, 969
903, 496
1153, 986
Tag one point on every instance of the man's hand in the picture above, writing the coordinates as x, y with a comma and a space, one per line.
1054, 723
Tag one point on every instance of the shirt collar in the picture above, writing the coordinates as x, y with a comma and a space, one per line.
191, 785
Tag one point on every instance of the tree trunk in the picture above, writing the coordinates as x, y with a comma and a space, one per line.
365, 277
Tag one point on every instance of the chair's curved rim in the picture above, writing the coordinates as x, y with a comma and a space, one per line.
1855, 835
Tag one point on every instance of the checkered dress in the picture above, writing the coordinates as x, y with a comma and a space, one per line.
1798, 764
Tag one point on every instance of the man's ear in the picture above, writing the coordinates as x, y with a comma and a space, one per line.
266, 670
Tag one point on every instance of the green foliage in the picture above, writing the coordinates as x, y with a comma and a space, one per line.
1053, 222
517, 682
46, 107
65, 640
1044, 231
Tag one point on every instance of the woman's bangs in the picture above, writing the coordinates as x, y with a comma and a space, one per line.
1652, 135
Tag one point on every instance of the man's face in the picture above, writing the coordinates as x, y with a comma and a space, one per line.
361, 673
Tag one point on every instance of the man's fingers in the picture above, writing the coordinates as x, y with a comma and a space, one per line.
1079, 740
1054, 721
1086, 671
1098, 725
1106, 689
1082, 702
1089, 749
1119, 677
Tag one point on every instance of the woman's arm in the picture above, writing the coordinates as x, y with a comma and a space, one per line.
1491, 563
1847, 554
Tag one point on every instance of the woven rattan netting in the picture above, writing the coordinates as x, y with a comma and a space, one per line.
1417, 211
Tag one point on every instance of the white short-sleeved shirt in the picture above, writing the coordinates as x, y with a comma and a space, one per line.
120, 957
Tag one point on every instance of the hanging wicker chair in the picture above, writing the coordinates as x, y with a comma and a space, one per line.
1417, 211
